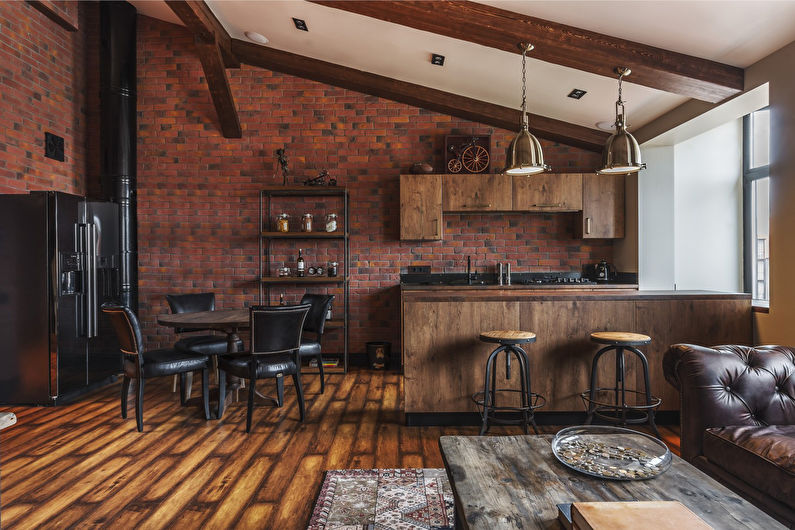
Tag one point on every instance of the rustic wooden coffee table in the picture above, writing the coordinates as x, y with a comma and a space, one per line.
516, 482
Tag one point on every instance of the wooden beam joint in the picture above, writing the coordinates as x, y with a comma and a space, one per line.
211, 40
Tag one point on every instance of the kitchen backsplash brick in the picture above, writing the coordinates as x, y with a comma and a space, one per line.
198, 192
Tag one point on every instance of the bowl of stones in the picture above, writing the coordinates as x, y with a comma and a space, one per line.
611, 452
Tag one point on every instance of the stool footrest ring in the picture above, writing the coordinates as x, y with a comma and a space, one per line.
536, 401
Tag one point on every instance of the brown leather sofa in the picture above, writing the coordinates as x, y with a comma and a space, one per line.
738, 419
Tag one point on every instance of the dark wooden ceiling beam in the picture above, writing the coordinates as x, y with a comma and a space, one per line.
201, 21
558, 44
211, 40
220, 91
416, 95
49, 10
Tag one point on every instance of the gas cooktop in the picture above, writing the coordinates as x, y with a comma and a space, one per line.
555, 280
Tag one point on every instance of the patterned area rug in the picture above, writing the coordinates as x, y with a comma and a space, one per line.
403, 499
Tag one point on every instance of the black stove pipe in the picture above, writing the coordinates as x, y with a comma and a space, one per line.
118, 131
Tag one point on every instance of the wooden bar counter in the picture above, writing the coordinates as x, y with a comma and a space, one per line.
444, 361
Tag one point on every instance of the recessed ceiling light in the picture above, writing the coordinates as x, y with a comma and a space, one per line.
577, 93
606, 125
300, 24
437, 59
253, 36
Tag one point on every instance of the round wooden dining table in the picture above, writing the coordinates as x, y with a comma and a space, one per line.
230, 321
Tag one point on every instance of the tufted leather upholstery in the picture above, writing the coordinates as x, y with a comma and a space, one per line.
140, 365
730, 385
738, 418
275, 340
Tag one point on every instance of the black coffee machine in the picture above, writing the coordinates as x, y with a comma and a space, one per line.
602, 271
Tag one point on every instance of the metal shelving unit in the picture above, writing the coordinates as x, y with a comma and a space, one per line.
266, 281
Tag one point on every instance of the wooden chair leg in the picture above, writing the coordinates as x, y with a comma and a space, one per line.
322, 374
189, 387
182, 399
125, 390
221, 393
139, 405
279, 390
300, 391
250, 408
206, 392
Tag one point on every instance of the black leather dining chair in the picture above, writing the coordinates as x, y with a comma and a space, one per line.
208, 343
275, 340
142, 365
315, 324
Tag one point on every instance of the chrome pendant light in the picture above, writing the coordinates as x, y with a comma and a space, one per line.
622, 152
524, 156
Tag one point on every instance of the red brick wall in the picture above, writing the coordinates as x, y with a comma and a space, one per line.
198, 192
42, 89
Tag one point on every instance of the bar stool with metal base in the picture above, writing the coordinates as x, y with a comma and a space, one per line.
487, 399
610, 403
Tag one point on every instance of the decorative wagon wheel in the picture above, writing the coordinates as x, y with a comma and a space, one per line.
454, 165
475, 159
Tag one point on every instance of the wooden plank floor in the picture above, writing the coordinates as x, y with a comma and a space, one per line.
82, 465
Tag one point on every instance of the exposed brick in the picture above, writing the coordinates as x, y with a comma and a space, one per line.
42, 89
198, 208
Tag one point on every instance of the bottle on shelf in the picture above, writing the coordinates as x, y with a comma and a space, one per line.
282, 301
300, 265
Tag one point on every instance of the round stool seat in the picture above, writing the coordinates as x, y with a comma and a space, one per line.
620, 338
508, 336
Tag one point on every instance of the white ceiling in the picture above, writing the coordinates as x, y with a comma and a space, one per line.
737, 33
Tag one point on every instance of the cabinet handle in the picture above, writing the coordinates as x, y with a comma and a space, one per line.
555, 205
587, 225
436, 224
476, 205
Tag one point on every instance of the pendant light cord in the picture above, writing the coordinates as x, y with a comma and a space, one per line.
524, 87
621, 118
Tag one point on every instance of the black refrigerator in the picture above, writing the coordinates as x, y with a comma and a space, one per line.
59, 262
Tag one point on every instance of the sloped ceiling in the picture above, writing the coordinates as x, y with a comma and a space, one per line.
734, 33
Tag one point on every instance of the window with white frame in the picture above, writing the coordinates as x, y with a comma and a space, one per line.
756, 205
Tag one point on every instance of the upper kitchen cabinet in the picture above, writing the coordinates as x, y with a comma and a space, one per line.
561, 192
421, 207
602, 207
476, 193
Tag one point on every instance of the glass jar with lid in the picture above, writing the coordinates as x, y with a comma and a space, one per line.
282, 222
306, 222
331, 222
332, 268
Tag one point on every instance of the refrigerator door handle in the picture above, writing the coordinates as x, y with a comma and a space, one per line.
93, 284
81, 233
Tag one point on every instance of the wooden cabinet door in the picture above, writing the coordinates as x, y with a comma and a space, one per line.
602, 206
477, 193
561, 192
421, 207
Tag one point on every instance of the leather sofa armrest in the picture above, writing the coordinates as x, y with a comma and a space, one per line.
729, 385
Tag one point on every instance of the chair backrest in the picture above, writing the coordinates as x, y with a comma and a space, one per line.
190, 303
127, 329
277, 329
316, 320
